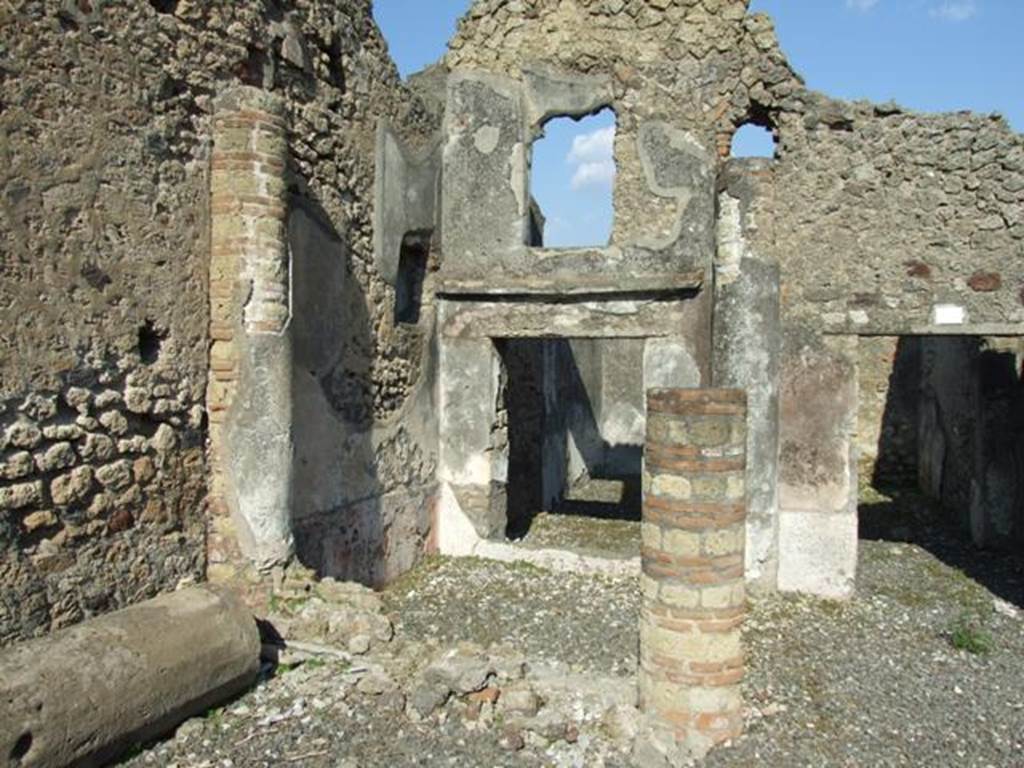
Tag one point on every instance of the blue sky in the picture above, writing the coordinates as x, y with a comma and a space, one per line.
930, 55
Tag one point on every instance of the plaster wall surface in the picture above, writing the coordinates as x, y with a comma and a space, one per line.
747, 350
817, 478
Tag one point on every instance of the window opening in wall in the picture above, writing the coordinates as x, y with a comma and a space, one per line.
572, 173
572, 422
412, 269
752, 140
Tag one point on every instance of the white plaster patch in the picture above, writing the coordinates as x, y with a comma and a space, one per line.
475, 471
486, 139
760, 550
624, 425
949, 314
558, 560
730, 240
832, 495
517, 176
617, 307
817, 553
456, 535
576, 465
668, 363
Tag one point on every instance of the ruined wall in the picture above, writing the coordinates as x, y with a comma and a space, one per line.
882, 214
105, 130
713, 59
869, 216
884, 222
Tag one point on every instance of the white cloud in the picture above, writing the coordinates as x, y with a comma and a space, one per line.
589, 147
591, 153
601, 173
954, 10
861, 5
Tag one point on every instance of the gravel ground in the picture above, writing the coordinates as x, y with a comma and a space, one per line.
598, 518
314, 716
589, 623
876, 681
594, 537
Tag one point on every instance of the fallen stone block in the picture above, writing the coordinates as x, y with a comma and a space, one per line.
83, 695
463, 670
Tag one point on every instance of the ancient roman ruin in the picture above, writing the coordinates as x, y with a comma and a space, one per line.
265, 305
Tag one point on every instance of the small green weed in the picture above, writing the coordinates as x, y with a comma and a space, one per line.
968, 633
286, 605
214, 717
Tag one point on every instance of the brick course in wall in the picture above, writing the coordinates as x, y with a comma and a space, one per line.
693, 537
249, 280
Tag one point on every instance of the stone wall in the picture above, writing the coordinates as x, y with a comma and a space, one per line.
874, 218
883, 214
105, 134
697, 67
889, 369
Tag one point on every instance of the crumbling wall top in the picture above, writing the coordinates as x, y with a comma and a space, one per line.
704, 65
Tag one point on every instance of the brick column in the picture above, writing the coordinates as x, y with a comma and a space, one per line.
249, 279
693, 532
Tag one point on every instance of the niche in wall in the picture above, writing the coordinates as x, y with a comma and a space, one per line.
412, 270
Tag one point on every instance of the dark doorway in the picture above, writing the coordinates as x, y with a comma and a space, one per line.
566, 451
941, 428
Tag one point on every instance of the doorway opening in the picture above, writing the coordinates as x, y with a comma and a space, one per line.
573, 422
941, 446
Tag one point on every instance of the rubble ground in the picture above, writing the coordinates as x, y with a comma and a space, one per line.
496, 664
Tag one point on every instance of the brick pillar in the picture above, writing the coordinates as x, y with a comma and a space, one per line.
249, 280
693, 533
